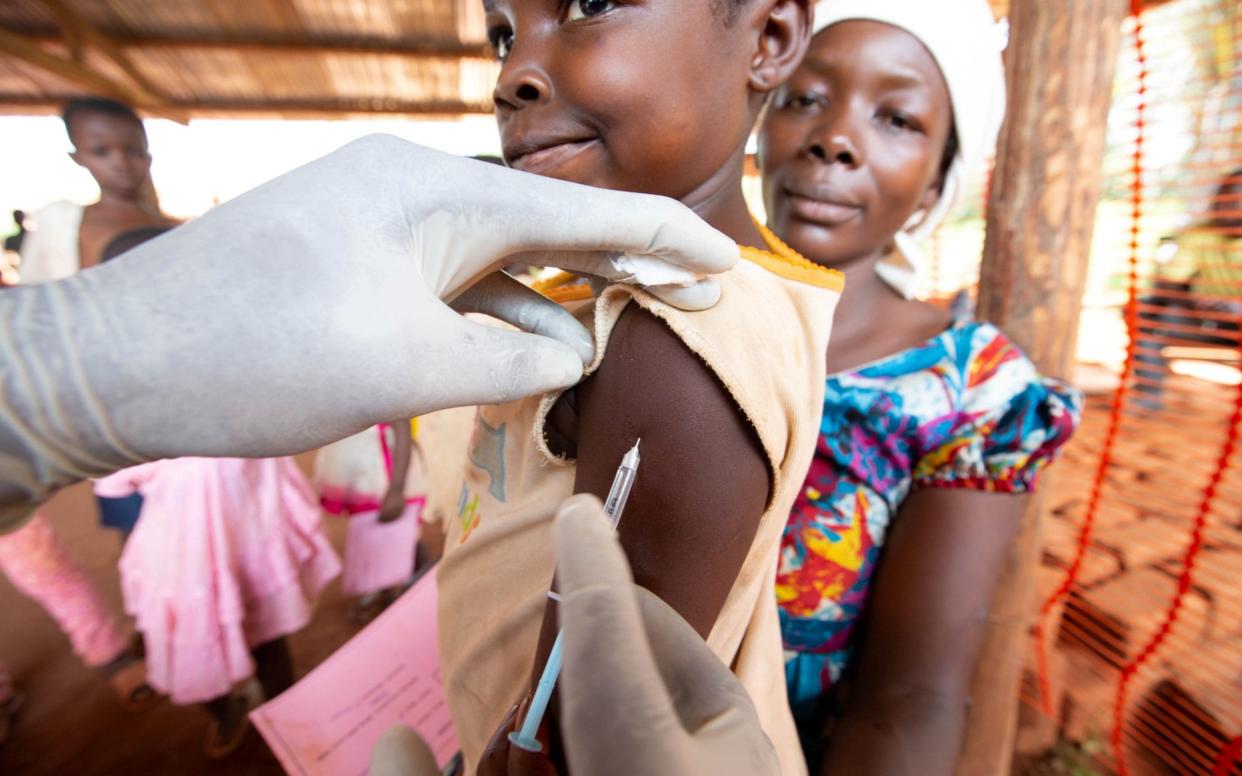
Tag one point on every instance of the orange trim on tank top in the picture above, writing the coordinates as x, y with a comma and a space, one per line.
779, 259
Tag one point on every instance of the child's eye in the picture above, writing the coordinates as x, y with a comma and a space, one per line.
901, 121
582, 9
502, 42
806, 100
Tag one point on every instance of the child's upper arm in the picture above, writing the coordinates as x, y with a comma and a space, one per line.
704, 481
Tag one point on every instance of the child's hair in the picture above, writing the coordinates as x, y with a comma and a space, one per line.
126, 241
80, 105
726, 10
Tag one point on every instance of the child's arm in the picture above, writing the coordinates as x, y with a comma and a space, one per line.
926, 626
703, 482
394, 499
701, 488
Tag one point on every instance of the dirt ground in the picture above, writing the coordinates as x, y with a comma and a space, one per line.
71, 722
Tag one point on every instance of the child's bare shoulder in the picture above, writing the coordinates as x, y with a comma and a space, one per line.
651, 384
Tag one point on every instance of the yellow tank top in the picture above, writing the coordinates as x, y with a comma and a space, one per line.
498, 561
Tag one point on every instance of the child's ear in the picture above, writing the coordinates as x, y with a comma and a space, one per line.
784, 28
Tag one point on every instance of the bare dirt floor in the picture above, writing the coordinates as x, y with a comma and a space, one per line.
71, 722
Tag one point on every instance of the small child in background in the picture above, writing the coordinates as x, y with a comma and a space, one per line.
227, 558
375, 479
37, 563
109, 141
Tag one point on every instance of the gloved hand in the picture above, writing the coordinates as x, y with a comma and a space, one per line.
311, 307
401, 751
640, 691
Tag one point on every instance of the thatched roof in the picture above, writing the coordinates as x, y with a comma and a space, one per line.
219, 57
182, 58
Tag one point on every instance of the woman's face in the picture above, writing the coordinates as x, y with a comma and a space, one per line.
852, 144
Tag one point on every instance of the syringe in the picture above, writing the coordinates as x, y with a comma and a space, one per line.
618, 494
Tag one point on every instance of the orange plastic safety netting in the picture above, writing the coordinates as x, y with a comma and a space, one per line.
1137, 654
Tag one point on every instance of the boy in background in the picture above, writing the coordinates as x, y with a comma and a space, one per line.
110, 143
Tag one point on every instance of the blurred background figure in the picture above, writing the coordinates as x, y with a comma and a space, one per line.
11, 256
109, 141
376, 481
1197, 290
14, 241
37, 562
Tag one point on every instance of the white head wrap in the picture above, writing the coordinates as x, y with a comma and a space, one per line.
966, 43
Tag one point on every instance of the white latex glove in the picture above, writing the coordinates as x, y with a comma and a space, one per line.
311, 307
401, 751
640, 691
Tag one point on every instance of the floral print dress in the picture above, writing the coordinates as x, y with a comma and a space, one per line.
964, 410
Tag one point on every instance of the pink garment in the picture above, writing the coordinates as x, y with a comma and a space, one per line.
229, 553
352, 477
40, 566
380, 555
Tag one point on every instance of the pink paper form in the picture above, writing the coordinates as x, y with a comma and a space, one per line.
388, 674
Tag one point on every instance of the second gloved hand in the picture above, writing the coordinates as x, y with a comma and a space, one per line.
640, 691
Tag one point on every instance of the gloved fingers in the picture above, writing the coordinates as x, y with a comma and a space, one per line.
401, 751
714, 708
550, 216
679, 287
490, 365
703, 688
505, 298
614, 704
700, 296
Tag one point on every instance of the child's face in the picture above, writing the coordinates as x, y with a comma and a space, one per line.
113, 150
852, 144
638, 95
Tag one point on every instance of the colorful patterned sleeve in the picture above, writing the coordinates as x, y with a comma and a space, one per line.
1009, 424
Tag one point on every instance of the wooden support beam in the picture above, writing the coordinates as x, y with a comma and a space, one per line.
414, 48
1060, 65
76, 31
24, 50
315, 108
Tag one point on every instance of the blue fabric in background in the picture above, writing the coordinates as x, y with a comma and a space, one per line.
120, 513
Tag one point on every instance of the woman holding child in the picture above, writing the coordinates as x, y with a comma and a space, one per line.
933, 429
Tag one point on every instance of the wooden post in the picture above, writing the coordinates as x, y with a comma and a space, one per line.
1060, 64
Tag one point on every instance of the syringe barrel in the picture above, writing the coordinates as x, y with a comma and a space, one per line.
619, 494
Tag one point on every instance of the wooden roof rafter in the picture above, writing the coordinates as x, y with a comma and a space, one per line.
248, 57
412, 48
77, 34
